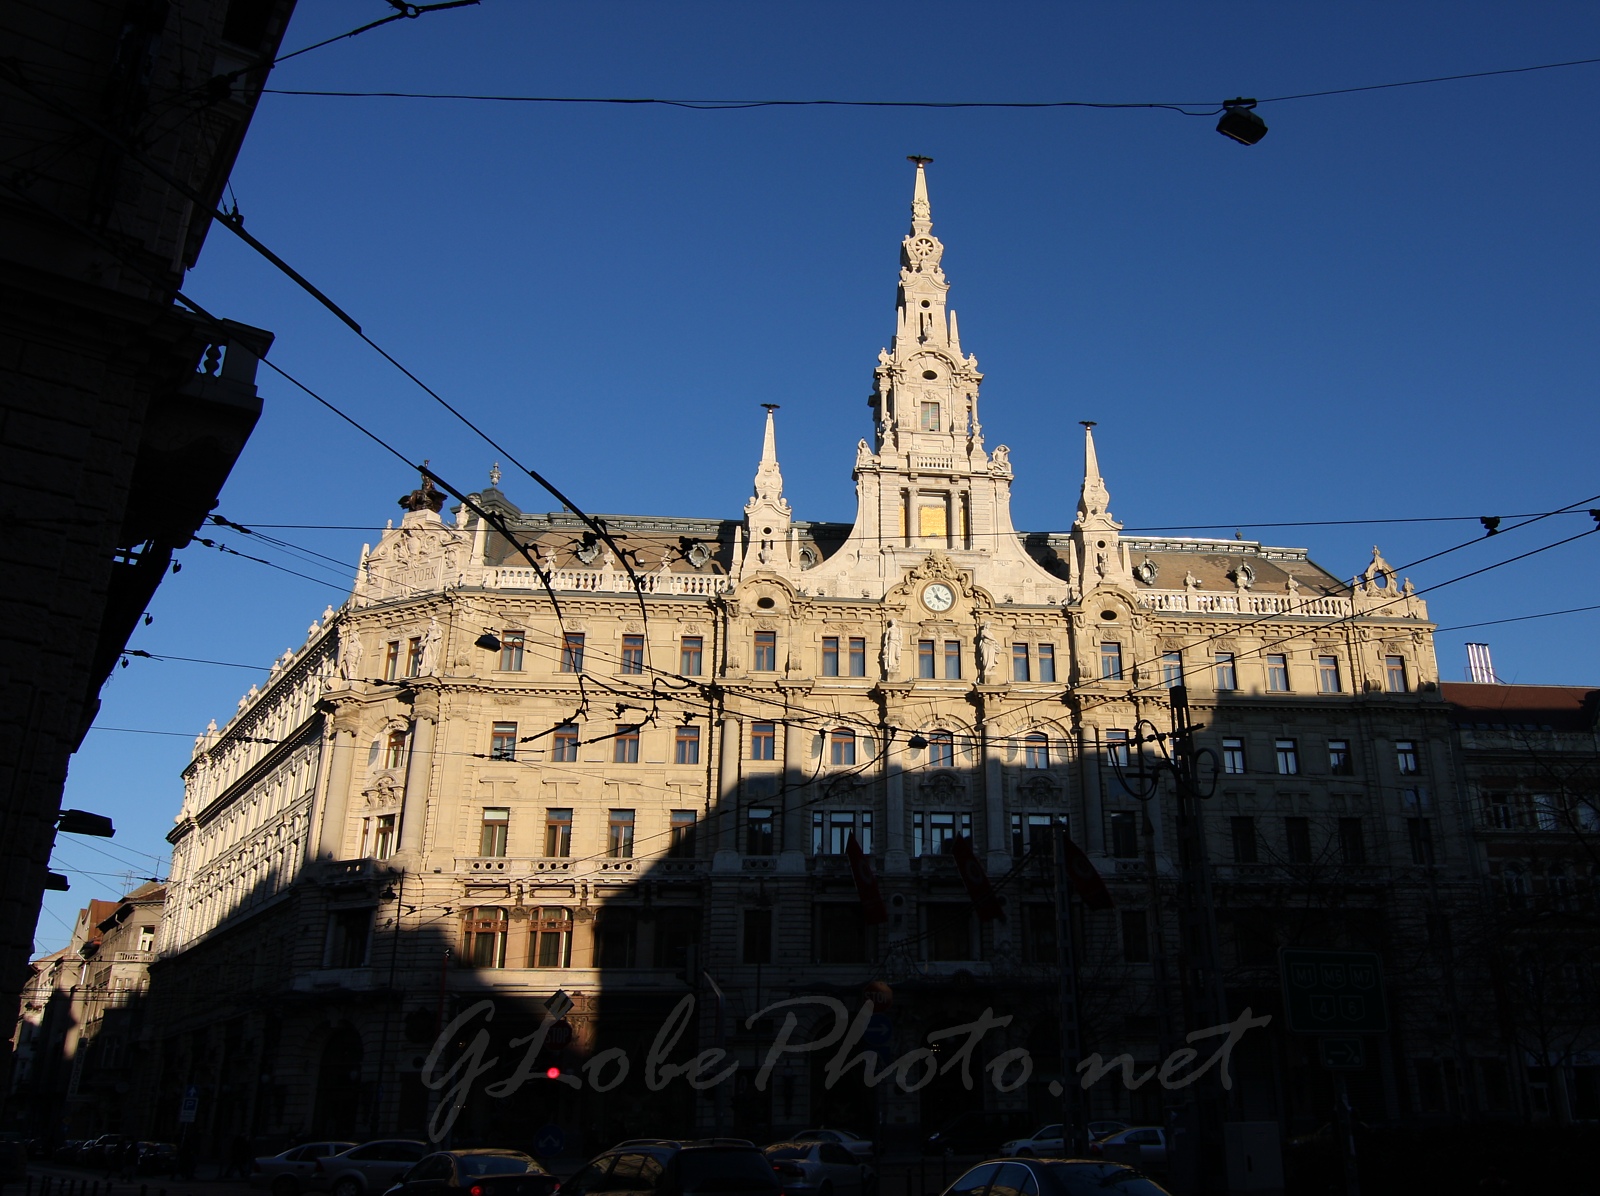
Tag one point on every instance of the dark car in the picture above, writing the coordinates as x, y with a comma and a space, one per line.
1053, 1177
977, 1132
367, 1169
825, 1168
286, 1173
701, 1167
156, 1158
484, 1172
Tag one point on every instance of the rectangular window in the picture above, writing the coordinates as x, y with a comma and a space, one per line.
1135, 936
838, 934
1233, 756
503, 742
686, 745
147, 938
759, 831
952, 660
551, 929
1288, 758
394, 750
484, 929
925, 659
1019, 663
625, 747
1047, 661
1420, 831
1171, 669
633, 654
1502, 816
1036, 750
494, 831
941, 749
677, 938
831, 831
1405, 757
383, 836
616, 936
1339, 762
1124, 835
414, 656
1277, 673
858, 656
948, 930
934, 832
681, 846
1227, 677
1352, 847
1297, 835
619, 835
1394, 674
842, 746
766, 655
558, 833
511, 646
349, 935
830, 656
1244, 839
1117, 748
763, 741
930, 417
391, 660
564, 744
691, 652
1111, 662
1031, 835
757, 946
1328, 675
572, 652
1039, 924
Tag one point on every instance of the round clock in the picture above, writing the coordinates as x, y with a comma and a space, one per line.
938, 597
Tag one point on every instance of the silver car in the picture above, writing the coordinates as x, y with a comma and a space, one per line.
367, 1169
854, 1143
285, 1174
823, 1168
1142, 1146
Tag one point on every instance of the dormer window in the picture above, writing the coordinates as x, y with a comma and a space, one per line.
930, 417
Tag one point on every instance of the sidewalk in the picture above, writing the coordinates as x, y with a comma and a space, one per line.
56, 1179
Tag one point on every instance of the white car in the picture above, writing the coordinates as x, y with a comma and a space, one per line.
1049, 1142
854, 1143
1141, 1146
819, 1168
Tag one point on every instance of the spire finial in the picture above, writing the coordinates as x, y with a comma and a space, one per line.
769, 481
494, 474
921, 210
1095, 499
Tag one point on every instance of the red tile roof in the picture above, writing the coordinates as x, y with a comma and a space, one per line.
1568, 707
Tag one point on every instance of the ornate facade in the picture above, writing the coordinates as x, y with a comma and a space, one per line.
524, 757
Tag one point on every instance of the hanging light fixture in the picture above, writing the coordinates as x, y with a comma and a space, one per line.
488, 641
1240, 122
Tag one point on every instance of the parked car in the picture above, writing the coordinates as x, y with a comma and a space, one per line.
367, 1169
1141, 1146
976, 1132
854, 1143
104, 1151
13, 1162
826, 1168
156, 1158
1049, 1141
724, 1166
1052, 1177
486, 1172
286, 1173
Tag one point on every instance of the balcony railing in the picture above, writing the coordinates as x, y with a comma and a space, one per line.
1200, 602
608, 581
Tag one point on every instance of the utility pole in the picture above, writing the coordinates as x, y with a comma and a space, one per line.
1073, 1123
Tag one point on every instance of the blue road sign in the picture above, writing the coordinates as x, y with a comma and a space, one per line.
1333, 992
879, 1032
550, 1140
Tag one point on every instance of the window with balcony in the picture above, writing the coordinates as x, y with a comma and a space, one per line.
763, 741
1227, 675
930, 417
1233, 756
933, 832
551, 928
1124, 835
941, 749
831, 831
503, 741
765, 659
925, 659
841, 746
1277, 673
830, 656
1340, 763
1036, 750
633, 654
382, 842
349, 938
691, 654
147, 938
558, 833
564, 744
952, 660
625, 744
1405, 757
1394, 674
484, 930
619, 835
1288, 752
760, 831
682, 843
686, 745
572, 652
494, 831
512, 644
1328, 675
858, 656
1020, 670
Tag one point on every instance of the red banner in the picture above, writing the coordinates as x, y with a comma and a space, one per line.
873, 911
1085, 877
977, 882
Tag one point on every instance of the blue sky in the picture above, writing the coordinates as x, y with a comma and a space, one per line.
1385, 309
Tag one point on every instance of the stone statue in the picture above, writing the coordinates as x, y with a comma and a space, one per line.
1292, 585
1001, 457
350, 656
988, 653
863, 454
431, 641
1190, 581
1102, 562
892, 643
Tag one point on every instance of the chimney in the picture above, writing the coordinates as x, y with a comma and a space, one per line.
1480, 668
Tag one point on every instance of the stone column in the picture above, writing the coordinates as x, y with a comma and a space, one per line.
726, 810
336, 802
1092, 835
998, 860
895, 857
793, 855
419, 774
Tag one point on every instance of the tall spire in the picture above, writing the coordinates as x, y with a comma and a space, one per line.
767, 514
769, 481
921, 210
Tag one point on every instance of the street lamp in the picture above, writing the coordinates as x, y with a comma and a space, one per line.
1240, 122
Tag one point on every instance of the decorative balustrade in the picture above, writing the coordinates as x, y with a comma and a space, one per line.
922, 461
607, 581
1246, 603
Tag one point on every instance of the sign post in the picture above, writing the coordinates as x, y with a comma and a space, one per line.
190, 1105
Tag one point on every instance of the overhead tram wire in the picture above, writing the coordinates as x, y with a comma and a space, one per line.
1549, 614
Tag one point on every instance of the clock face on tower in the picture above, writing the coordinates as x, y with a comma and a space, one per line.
938, 597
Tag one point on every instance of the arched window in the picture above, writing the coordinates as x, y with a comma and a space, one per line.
1036, 750
842, 746
941, 749
551, 927
484, 930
